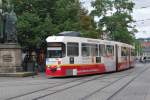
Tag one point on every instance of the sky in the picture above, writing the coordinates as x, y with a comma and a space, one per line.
141, 14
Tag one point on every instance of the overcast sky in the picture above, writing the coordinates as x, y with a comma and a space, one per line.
141, 14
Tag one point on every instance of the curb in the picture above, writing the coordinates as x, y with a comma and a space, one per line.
17, 74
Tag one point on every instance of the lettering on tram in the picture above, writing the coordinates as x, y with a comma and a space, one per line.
74, 56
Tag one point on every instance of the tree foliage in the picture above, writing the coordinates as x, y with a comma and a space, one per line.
88, 25
117, 23
34, 21
38, 19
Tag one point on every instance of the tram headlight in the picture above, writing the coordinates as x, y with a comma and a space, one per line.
48, 67
53, 68
58, 68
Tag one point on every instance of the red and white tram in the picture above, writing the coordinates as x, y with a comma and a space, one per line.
73, 56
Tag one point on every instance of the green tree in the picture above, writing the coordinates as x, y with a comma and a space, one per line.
32, 31
123, 12
38, 19
116, 25
67, 15
34, 21
88, 25
101, 9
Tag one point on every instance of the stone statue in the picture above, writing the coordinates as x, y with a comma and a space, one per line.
9, 19
1, 22
10, 27
10, 50
1, 28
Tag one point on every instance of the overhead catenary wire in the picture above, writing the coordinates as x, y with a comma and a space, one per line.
142, 20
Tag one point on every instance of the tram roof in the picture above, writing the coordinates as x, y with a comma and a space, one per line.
84, 40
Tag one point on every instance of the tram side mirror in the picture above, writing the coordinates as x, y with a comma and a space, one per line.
71, 60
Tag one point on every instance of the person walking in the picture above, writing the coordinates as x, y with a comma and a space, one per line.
35, 64
144, 59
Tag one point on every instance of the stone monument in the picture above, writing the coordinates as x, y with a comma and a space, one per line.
10, 51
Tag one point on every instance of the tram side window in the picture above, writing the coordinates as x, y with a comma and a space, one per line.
110, 50
94, 50
72, 49
89, 49
101, 50
124, 51
132, 52
85, 49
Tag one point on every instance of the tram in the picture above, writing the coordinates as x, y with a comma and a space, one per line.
76, 56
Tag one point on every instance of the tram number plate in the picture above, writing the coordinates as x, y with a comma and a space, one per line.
70, 72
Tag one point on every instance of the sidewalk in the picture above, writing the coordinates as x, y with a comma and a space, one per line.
17, 74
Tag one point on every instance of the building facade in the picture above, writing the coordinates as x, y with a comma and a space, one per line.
145, 46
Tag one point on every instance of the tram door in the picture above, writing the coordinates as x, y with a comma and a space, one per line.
124, 59
109, 59
132, 64
129, 55
116, 55
73, 52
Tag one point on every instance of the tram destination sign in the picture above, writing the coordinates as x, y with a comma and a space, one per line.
94, 41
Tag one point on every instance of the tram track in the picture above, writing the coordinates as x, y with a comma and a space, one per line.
19, 85
109, 98
51, 87
61, 90
114, 94
104, 76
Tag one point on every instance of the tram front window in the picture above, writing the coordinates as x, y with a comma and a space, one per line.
56, 50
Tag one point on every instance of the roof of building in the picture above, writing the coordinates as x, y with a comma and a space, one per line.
146, 44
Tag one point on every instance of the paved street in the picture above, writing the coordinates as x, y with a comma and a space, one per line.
131, 84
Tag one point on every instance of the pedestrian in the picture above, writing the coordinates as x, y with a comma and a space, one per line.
141, 59
35, 64
34, 60
36, 67
144, 59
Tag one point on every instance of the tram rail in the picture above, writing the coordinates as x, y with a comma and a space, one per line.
83, 80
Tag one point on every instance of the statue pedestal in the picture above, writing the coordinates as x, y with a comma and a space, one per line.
10, 58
